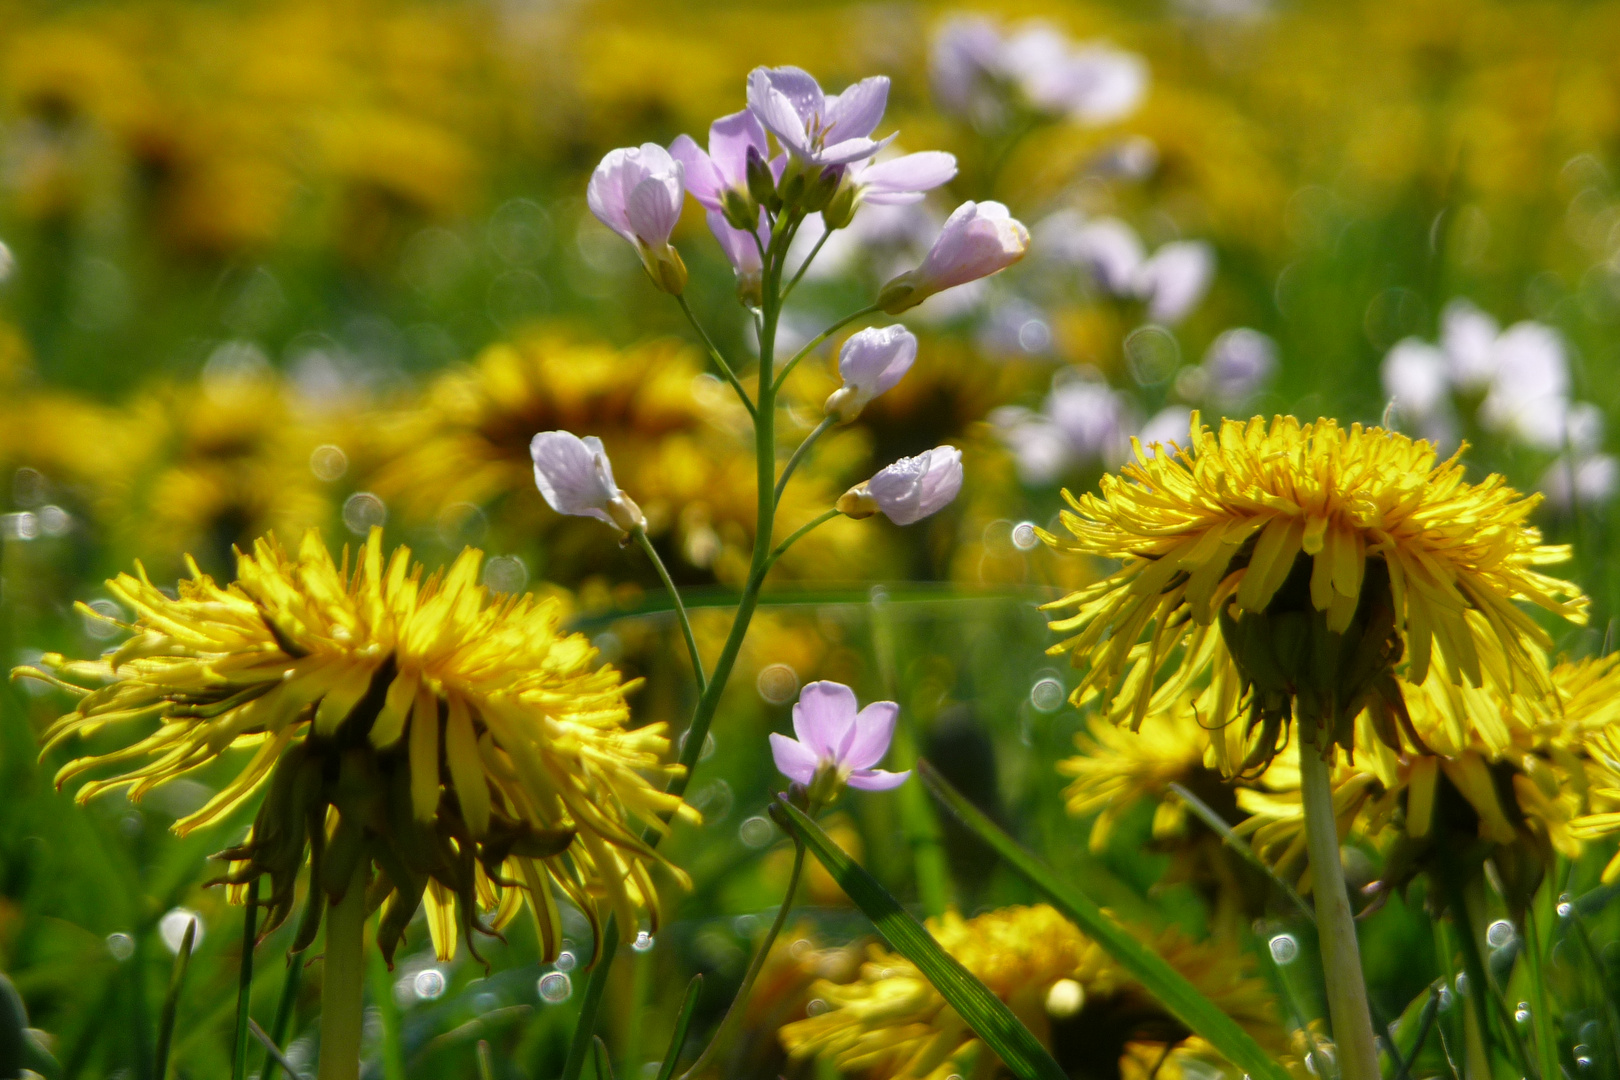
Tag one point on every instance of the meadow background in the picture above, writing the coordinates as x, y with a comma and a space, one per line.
277, 265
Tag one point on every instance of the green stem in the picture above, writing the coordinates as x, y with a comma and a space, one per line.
734, 1014
171, 1003
392, 1042
1541, 1016
640, 535
244, 982
815, 342
1335, 925
798, 455
799, 273
343, 981
709, 699
781, 549
715, 355
284, 1012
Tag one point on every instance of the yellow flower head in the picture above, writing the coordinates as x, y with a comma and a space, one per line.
891, 1023
461, 743
1116, 769
1297, 563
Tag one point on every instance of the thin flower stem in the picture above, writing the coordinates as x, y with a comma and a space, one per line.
284, 1011
808, 259
343, 981
798, 455
781, 549
1335, 925
244, 983
640, 535
714, 354
734, 1013
709, 700
817, 340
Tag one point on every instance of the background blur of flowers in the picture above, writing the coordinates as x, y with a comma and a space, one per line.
278, 264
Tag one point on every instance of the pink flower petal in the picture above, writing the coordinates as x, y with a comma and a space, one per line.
877, 779
823, 715
874, 730
793, 759
855, 113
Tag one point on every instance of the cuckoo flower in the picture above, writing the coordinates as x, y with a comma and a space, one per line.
837, 745
910, 489
723, 167
818, 128
978, 240
742, 251
896, 182
575, 477
637, 192
871, 362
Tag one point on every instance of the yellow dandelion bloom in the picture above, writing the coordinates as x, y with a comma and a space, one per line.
891, 1023
1297, 563
1116, 769
462, 743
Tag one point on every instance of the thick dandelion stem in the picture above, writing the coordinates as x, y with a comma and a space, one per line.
1335, 926
343, 982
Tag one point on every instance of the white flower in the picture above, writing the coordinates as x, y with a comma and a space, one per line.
1468, 336
1092, 83
1038, 446
1167, 430
1414, 377
910, 489
575, 477
1589, 481
1175, 279
1237, 364
1528, 396
871, 362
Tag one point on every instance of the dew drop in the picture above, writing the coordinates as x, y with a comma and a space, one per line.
756, 832
505, 574
815, 1007
1522, 1013
328, 462
643, 942
1462, 983
1499, 934
1047, 695
1284, 949
121, 946
362, 511
1024, 537
1566, 906
172, 928
566, 961
555, 988
429, 984
778, 683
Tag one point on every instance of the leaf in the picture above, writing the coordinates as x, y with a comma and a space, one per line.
171, 1002
1208, 816
985, 1013
683, 1023
1161, 980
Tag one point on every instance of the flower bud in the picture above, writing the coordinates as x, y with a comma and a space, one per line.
821, 186
840, 209
665, 267
791, 187
871, 362
761, 181
741, 211
978, 240
910, 489
575, 477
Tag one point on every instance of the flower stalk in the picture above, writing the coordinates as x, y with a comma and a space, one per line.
1335, 925
343, 981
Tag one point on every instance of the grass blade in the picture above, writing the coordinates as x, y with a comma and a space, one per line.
244, 985
284, 1013
1160, 979
486, 1065
171, 1003
604, 1069
683, 1023
1208, 816
591, 1003
275, 1057
985, 1013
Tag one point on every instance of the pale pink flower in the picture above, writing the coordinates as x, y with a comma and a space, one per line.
977, 240
837, 742
725, 164
901, 180
871, 362
818, 128
910, 489
575, 477
637, 192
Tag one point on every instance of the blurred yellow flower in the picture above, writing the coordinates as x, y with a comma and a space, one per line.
892, 1023
465, 745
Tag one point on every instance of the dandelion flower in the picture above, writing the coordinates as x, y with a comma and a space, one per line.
891, 1023
463, 744
1298, 564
